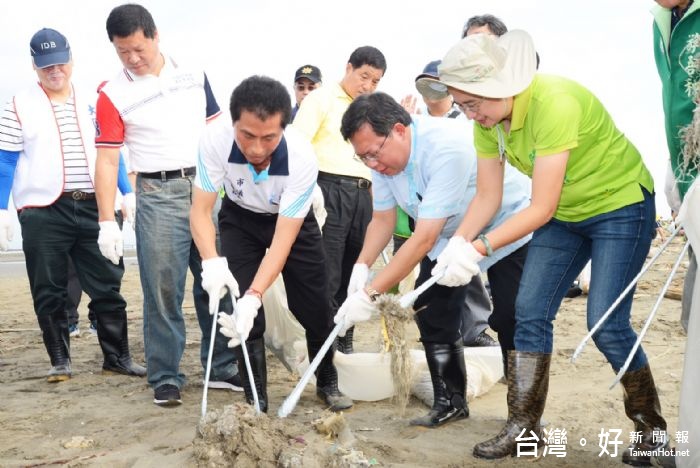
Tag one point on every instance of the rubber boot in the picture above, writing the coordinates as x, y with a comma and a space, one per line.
57, 341
256, 353
643, 408
345, 342
449, 376
504, 355
327, 378
528, 382
114, 341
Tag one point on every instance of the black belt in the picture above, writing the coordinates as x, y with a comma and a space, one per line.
167, 175
358, 182
79, 195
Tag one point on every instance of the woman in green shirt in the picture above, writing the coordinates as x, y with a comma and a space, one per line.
592, 198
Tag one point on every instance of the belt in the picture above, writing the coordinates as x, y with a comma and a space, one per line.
79, 195
358, 182
167, 175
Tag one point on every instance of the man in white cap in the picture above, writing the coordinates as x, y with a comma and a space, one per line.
49, 168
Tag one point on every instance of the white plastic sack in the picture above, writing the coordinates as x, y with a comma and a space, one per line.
689, 407
367, 376
284, 335
584, 279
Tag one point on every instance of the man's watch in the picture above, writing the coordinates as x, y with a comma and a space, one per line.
372, 293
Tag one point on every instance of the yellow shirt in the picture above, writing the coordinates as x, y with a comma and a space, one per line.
319, 119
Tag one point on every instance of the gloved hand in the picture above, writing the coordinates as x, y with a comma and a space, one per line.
458, 263
244, 313
129, 208
319, 207
228, 329
358, 278
358, 307
111, 241
216, 279
6, 230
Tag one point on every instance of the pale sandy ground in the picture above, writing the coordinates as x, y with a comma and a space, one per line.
122, 427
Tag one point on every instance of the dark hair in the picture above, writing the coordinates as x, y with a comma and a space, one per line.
125, 20
262, 96
368, 55
378, 109
495, 25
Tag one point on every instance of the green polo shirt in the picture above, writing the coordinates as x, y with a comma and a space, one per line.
604, 171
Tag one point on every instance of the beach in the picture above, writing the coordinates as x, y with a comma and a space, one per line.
97, 420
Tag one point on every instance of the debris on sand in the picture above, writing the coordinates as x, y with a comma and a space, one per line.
396, 318
334, 426
237, 436
79, 442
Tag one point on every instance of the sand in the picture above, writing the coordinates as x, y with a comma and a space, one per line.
96, 420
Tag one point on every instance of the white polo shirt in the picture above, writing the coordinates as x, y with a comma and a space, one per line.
285, 187
160, 118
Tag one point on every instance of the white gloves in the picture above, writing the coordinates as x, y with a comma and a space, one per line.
238, 325
458, 263
111, 241
228, 329
129, 208
6, 231
319, 207
358, 278
216, 278
358, 307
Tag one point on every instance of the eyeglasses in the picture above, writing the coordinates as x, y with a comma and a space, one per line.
472, 106
367, 158
302, 87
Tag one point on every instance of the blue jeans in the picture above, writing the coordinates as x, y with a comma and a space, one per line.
165, 249
617, 244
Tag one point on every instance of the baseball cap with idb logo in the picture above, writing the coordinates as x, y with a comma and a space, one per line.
49, 47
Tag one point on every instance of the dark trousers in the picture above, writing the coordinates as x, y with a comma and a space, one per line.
246, 235
52, 234
504, 279
349, 208
440, 308
75, 290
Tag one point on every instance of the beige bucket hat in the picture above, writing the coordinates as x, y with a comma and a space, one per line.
488, 66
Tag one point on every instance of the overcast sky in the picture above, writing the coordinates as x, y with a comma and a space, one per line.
605, 45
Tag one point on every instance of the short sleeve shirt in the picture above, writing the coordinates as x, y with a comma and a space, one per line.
604, 171
439, 181
284, 188
160, 118
319, 119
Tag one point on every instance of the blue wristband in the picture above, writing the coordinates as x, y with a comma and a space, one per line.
487, 244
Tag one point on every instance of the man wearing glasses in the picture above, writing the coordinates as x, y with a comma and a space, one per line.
427, 166
306, 79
